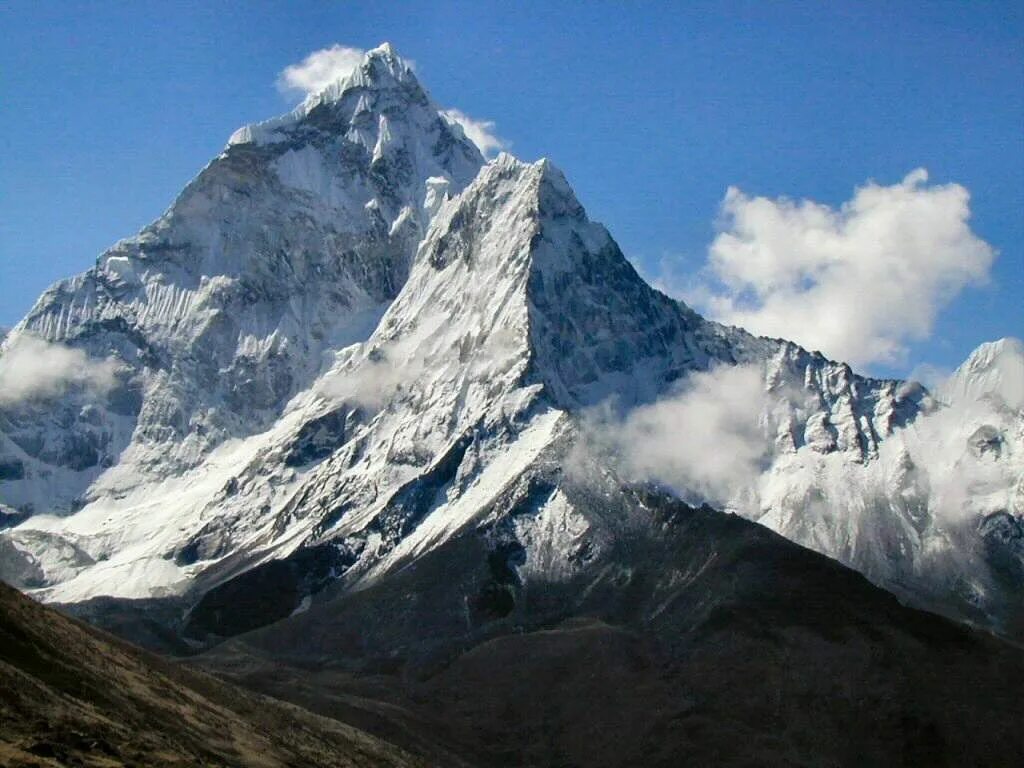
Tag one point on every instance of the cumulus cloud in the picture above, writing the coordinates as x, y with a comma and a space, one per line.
31, 368
857, 282
319, 69
706, 440
480, 132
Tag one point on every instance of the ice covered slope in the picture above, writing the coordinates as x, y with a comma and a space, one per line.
288, 245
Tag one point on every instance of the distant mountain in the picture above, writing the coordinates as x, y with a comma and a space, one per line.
70, 695
350, 341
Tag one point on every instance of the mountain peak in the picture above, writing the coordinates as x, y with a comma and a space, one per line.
381, 68
540, 183
381, 71
385, 51
593, 322
995, 368
510, 195
280, 250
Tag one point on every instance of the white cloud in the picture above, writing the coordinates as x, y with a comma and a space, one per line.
319, 69
706, 440
480, 132
932, 376
373, 383
857, 282
399, 366
31, 368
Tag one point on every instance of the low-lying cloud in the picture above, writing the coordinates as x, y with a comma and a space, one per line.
31, 368
706, 440
374, 382
719, 438
375, 376
856, 282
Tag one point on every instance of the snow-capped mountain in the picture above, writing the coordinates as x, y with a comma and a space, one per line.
349, 340
289, 244
937, 513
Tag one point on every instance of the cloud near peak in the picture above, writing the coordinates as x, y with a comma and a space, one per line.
857, 282
32, 368
480, 132
328, 65
319, 69
704, 438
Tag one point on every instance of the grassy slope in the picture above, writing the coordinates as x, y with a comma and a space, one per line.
71, 695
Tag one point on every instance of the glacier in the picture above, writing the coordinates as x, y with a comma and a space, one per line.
350, 339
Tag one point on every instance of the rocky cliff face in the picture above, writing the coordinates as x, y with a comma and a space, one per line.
935, 512
349, 340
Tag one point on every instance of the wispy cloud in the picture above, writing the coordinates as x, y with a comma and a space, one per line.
705, 440
375, 381
480, 132
386, 371
858, 282
31, 368
319, 69
714, 439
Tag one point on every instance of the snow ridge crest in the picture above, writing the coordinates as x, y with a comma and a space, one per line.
381, 70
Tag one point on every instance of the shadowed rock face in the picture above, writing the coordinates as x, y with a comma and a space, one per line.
70, 695
694, 634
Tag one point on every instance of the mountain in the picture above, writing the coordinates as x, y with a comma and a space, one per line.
288, 245
351, 341
994, 372
70, 695
937, 514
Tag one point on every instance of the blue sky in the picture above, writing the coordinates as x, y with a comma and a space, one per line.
653, 110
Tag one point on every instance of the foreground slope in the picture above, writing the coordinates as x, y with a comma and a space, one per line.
692, 638
70, 695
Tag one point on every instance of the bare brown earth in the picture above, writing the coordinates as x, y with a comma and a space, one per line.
71, 695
